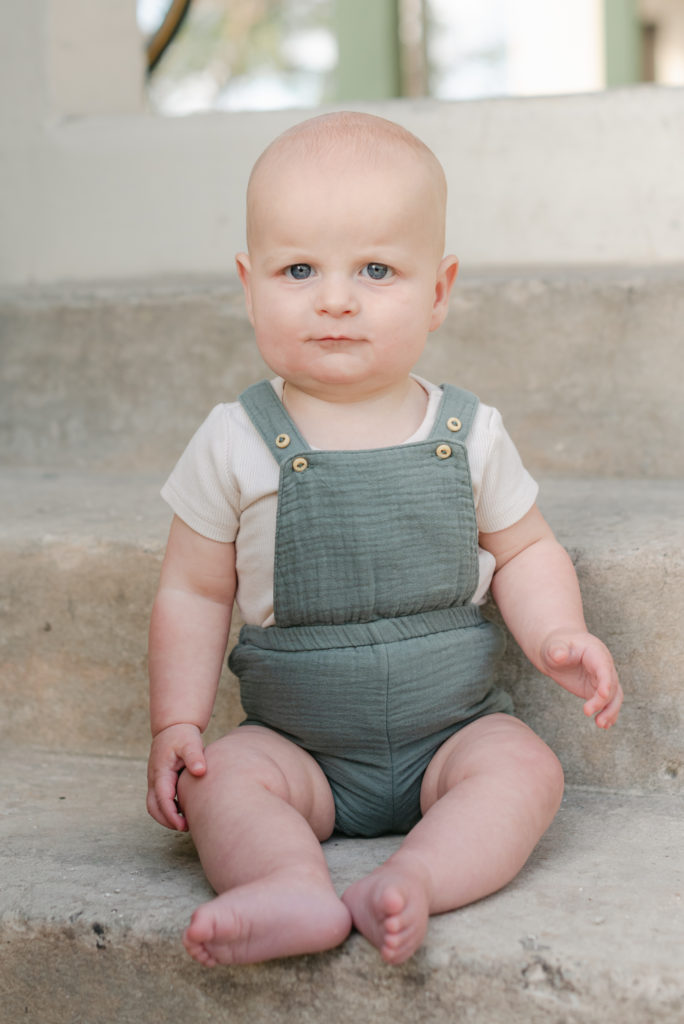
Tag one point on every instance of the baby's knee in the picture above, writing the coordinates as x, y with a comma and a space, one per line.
223, 762
548, 778
243, 755
249, 760
243, 758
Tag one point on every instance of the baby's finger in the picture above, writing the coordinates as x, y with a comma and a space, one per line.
608, 716
192, 753
164, 794
559, 655
605, 704
156, 812
597, 703
173, 818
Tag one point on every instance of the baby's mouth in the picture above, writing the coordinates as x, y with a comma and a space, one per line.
333, 338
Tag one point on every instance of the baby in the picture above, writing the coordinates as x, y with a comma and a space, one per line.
359, 515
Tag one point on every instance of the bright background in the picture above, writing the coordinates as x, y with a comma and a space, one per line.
266, 55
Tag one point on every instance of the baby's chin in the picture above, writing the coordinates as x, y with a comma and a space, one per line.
337, 363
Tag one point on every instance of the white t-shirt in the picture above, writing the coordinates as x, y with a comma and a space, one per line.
225, 487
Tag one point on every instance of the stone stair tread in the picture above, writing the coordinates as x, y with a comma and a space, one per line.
81, 554
95, 896
39, 505
119, 374
42, 506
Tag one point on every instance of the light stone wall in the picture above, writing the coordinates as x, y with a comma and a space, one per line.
95, 187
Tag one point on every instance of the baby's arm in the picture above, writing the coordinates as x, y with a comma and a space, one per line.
188, 639
536, 590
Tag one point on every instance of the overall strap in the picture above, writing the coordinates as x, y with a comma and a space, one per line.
269, 416
455, 414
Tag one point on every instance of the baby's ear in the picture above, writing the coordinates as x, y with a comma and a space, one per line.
446, 275
244, 270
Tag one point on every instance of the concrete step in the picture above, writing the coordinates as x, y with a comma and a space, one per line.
95, 896
81, 557
585, 364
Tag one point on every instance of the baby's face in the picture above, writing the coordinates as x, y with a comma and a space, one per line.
345, 276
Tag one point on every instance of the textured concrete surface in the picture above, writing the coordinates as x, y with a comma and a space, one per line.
119, 378
95, 895
81, 557
583, 178
99, 392
626, 539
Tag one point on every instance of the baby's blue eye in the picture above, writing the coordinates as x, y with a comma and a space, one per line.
299, 271
377, 271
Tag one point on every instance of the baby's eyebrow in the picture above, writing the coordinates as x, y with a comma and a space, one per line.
277, 260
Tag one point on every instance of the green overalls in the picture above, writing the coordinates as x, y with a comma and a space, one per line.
377, 655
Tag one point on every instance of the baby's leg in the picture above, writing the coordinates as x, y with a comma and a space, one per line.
488, 796
257, 818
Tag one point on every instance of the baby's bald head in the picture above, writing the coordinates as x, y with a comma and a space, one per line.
344, 142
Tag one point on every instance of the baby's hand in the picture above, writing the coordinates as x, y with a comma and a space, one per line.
582, 664
179, 746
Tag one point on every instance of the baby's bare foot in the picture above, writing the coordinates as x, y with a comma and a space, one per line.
391, 908
273, 917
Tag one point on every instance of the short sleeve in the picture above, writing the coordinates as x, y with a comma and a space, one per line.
506, 491
201, 490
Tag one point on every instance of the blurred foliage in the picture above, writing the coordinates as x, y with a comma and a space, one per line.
233, 38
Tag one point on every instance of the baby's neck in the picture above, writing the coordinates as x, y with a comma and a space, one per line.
375, 421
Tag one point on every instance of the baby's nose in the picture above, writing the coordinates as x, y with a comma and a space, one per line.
336, 297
